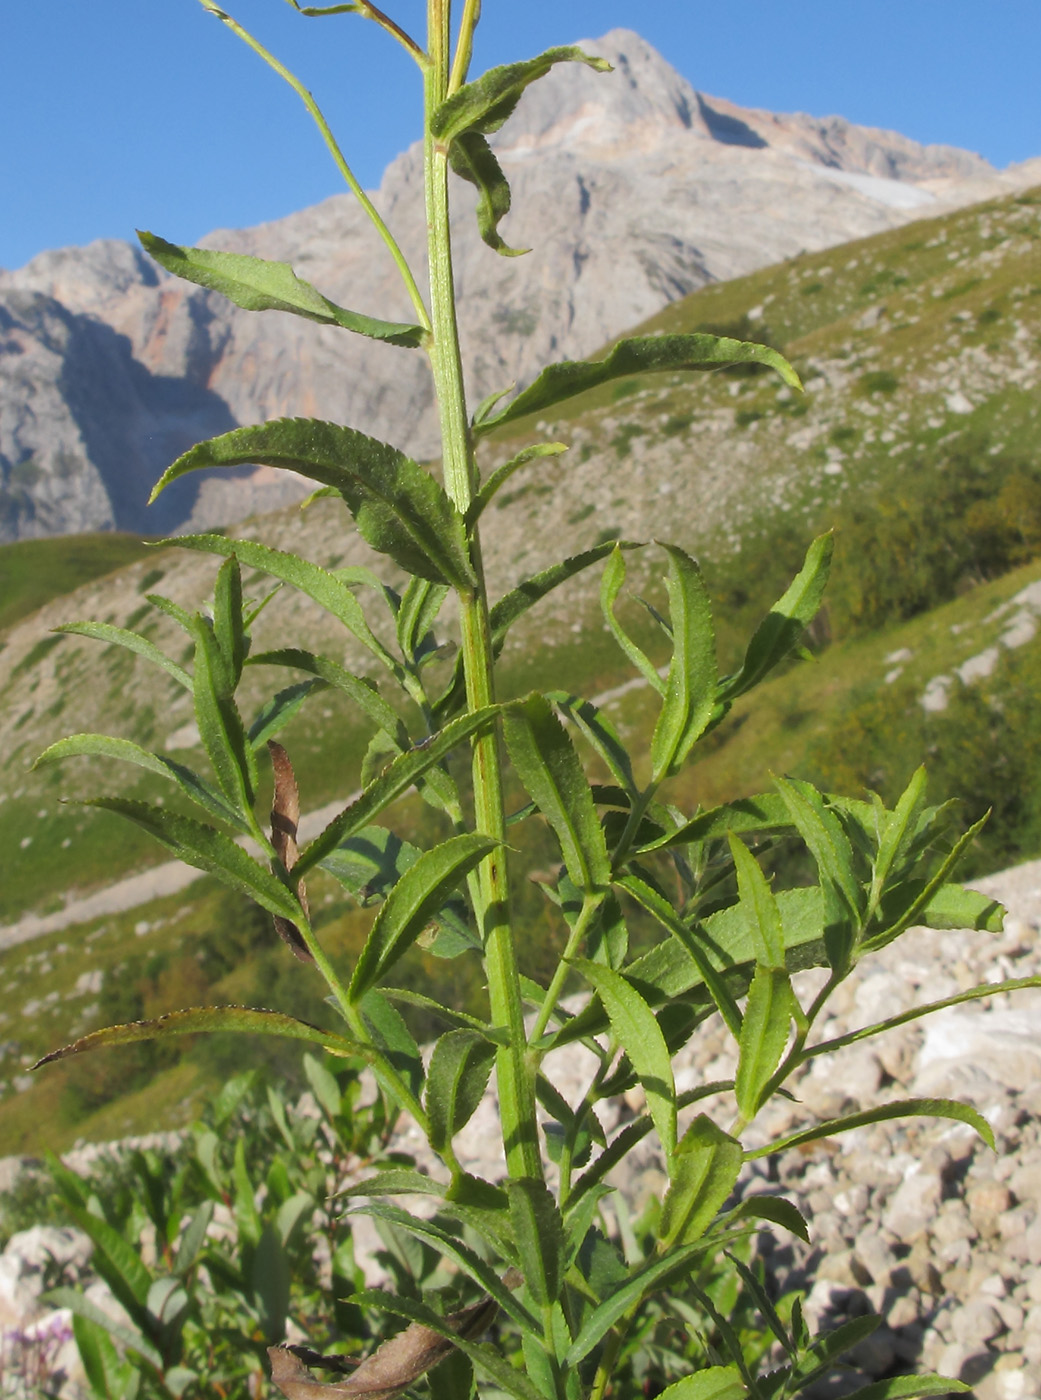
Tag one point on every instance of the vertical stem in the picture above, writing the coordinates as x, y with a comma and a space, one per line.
516, 1077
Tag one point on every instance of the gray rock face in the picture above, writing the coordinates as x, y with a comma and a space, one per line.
631, 189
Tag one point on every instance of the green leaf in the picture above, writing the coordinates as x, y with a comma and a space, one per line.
652, 354
486, 103
765, 812
398, 507
228, 627
988, 989
704, 1171
241, 1019
360, 689
644, 1281
784, 624
396, 1181
764, 916
486, 1359
635, 1028
700, 956
502, 474
690, 686
413, 902
829, 845
953, 906
459, 1253
715, 1383
276, 713
480, 107
776, 1210
256, 284
190, 783
121, 637
220, 724
826, 1350
767, 1022
456, 1080
388, 1030
81, 1306
549, 768
600, 734
420, 604
110, 1377
395, 780
539, 1232
902, 1387
193, 1237
900, 1108
328, 591
269, 1280
610, 587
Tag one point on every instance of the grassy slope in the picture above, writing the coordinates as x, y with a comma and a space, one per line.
915, 345
32, 572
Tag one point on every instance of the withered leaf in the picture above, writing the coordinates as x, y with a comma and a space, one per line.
392, 1368
285, 819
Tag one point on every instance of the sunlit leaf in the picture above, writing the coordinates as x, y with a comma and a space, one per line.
704, 1169
121, 636
458, 1074
899, 1108
690, 686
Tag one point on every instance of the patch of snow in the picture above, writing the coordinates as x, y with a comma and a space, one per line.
896, 194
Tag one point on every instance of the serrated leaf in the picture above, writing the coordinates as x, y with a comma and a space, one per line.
765, 812
276, 713
600, 734
553, 776
690, 686
398, 507
228, 627
325, 588
417, 612
457, 1076
654, 354
636, 1029
764, 916
207, 849
776, 1210
486, 103
539, 1233
360, 689
704, 1170
765, 1029
122, 637
784, 624
903, 1387
395, 780
413, 902
242, 1019
396, 1181
258, 284
830, 847
899, 1108
190, 783
474, 161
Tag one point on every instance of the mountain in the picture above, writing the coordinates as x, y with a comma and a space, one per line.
631, 189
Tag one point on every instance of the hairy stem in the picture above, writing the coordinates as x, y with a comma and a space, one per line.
516, 1079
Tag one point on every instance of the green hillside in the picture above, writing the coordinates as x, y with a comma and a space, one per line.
917, 441
32, 572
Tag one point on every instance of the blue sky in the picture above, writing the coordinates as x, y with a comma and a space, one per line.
147, 113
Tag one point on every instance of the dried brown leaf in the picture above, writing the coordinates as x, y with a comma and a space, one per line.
285, 820
392, 1368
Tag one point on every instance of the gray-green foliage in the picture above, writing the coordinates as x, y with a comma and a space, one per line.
533, 1248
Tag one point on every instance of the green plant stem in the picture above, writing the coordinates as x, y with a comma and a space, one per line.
464, 46
590, 905
516, 1077
637, 812
368, 11
330, 140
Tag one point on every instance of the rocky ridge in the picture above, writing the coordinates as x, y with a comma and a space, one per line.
916, 1220
632, 190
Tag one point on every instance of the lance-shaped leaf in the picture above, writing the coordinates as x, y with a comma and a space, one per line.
549, 768
325, 588
398, 507
417, 612
478, 108
765, 812
502, 474
600, 734
639, 1034
610, 587
456, 1080
190, 782
220, 724
242, 1019
395, 780
124, 1332
207, 849
257, 284
917, 908
704, 1170
899, 1108
690, 686
785, 623
276, 713
904, 1387
715, 1383
829, 845
539, 1232
360, 689
765, 1029
121, 636
775, 1209
652, 354
228, 624
413, 902
764, 916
